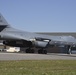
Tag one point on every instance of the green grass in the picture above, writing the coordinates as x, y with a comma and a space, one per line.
38, 67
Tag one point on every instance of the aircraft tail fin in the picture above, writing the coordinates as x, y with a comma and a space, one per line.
3, 23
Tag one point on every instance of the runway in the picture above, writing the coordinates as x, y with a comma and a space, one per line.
24, 56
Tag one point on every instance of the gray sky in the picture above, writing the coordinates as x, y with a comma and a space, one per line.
40, 15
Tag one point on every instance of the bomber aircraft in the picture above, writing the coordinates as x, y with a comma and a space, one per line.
29, 40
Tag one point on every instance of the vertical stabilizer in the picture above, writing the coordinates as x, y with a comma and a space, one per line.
3, 23
2, 20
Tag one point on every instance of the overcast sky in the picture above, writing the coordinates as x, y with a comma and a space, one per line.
40, 15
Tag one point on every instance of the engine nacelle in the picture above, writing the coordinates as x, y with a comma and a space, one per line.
41, 44
18, 43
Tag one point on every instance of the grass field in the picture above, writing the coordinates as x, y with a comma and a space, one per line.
38, 67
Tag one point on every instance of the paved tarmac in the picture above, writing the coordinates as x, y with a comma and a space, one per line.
24, 56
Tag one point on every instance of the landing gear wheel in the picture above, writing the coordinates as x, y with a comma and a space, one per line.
29, 50
32, 51
45, 51
41, 51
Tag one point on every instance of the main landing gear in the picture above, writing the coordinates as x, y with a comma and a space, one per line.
29, 50
42, 51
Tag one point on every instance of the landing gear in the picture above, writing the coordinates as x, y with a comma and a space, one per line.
69, 49
42, 51
29, 50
